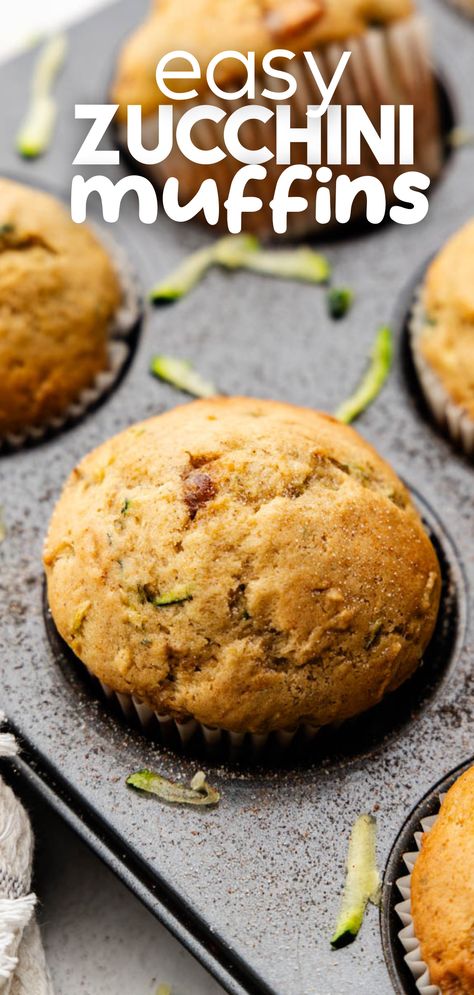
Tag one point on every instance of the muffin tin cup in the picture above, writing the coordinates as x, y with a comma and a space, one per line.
450, 416
387, 66
188, 732
118, 352
413, 956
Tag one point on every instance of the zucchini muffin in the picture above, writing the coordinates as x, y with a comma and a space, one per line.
247, 563
390, 64
442, 332
442, 892
58, 296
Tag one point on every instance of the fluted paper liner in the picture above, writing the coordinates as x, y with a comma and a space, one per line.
451, 417
189, 731
413, 955
388, 65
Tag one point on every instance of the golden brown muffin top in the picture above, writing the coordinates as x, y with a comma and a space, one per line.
58, 293
442, 892
447, 341
306, 585
207, 27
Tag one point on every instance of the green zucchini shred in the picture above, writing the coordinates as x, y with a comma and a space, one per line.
227, 252
198, 793
339, 301
181, 374
176, 597
362, 881
460, 137
234, 252
381, 358
184, 278
302, 264
374, 633
36, 131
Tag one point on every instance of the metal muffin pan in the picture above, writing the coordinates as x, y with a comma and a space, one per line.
252, 887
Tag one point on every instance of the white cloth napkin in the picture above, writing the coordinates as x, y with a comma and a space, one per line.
23, 969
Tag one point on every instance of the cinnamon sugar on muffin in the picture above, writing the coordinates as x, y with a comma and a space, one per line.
443, 337
390, 64
58, 295
442, 892
249, 564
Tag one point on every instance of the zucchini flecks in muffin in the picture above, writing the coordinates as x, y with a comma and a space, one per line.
253, 550
176, 596
79, 618
374, 635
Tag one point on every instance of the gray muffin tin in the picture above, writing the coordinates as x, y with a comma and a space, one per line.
253, 887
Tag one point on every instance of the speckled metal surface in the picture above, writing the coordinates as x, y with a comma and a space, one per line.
253, 886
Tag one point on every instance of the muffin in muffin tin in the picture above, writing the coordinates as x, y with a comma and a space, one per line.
390, 64
439, 896
442, 337
62, 299
246, 564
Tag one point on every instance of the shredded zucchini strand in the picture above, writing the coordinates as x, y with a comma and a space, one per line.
371, 384
36, 131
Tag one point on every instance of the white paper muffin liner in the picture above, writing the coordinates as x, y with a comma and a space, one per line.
388, 66
189, 732
448, 414
413, 956
118, 352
